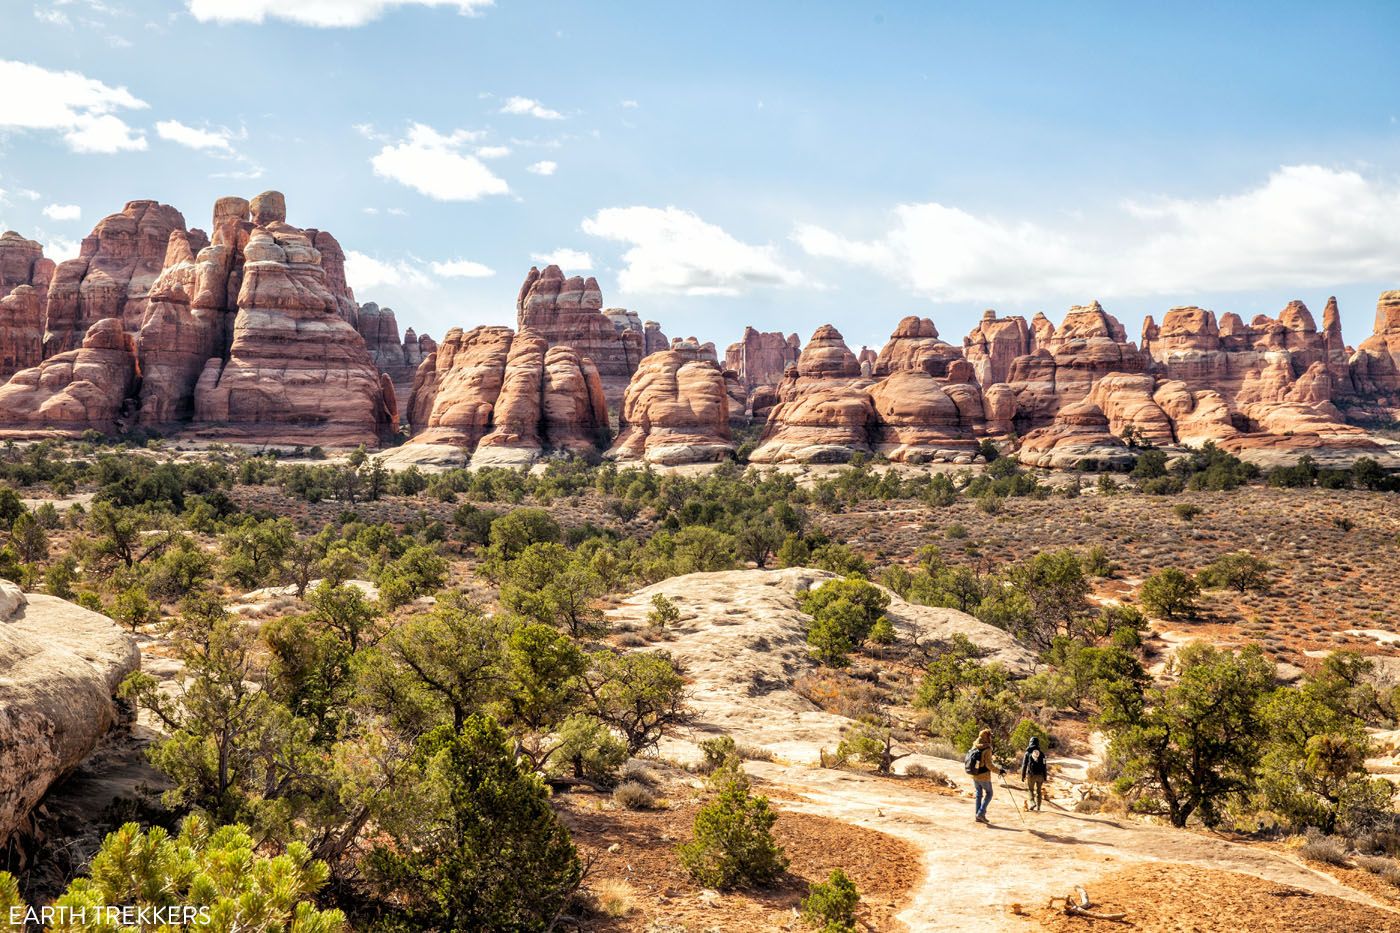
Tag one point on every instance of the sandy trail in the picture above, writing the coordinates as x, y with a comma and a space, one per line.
974, 874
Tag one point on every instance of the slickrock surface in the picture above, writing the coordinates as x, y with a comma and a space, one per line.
676, 410
60, 665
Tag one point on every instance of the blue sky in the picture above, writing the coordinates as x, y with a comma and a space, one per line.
721, 164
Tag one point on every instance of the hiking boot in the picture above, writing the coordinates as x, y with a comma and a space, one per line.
982, 819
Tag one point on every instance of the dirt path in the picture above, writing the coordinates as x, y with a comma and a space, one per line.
973, 875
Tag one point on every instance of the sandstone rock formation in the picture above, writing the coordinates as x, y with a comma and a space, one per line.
995, 344
395, 356
176, 339
827, 410
1375, 366
75, 391
1079, 437
22, 262
760, 359
296, 371
914, 346
675, 410
112, 276
506, 397
21, 330
61, 667
568, 311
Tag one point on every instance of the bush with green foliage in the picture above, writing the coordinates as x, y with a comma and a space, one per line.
844, 613
1197, 743
1240, 571
733, 845
830, 905
1170, 593
216, 872
488, 852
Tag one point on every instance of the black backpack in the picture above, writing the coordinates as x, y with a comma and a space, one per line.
1035, 763
972, 764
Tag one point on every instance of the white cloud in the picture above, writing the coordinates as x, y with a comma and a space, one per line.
493, 152
436, 165
528, 107
63, 212
630, 104
543, 167
462, 269
1306, 225
79, 107
324, 13
676, 251
570, 260
367, 273
60, 249
216, 140
52, 17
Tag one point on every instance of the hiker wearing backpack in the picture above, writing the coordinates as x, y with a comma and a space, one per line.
978, 763
1034, 770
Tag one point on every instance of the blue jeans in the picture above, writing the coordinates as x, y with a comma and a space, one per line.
984, 795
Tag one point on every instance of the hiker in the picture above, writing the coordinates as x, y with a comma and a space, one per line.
1034, 770
979, 764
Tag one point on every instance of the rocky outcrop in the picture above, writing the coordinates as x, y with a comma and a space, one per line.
1079, 437
995, 344
395, 356
112, 276
61, 667
827, 410
22, 262
1066, 363
80, 390
654, 340
568, 312
676, 410
176, 339
1375, 367
296, 372
457, 385
24, 292
506, 399
760, 359
21, 330
914, 346
692, 349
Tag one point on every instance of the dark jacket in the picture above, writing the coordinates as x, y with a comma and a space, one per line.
1033, 763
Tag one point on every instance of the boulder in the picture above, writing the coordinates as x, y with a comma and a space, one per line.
60, 666
675, 410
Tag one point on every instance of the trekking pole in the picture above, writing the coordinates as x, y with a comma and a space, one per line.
1014, 805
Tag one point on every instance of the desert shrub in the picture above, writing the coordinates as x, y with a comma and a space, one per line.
589, 750
843, 614
1325, 849
1096, 562
839, 558
501, 858
1301, 474
717, 752
838, 693
663, 612
830, 905
754, 752
1021, 735
733, 844
1170, 593
613, 898
217, 868
633, 796
1388, 869
928, 774
1187, 511
882, 632
1239, 571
